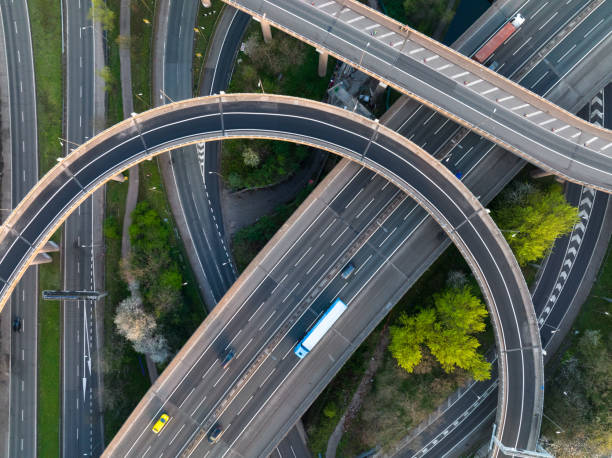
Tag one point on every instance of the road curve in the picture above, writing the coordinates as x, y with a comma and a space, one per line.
344, 133
447, 81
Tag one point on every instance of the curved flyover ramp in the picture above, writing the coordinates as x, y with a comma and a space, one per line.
311, 123
448, 82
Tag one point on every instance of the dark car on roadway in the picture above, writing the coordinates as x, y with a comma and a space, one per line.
228, 358
215, 433
348, 270
18, 324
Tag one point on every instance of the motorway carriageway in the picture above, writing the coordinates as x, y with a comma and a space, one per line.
257, 115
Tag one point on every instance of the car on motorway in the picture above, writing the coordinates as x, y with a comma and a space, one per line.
215, 433
347, 271
17, 324
161, 422
228, 358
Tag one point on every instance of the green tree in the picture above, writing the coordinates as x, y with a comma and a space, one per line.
534, 221
99, 11
446, 330
330, 410
251, 157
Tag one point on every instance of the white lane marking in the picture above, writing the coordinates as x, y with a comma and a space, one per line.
187, 397
302, 257
548, 20
566, 53
364, 208
327, 228
315, 263
596, 25
291, 292
266, 322
177, 433
255, 312
538, 10
198, 406
341, 234
521, 46
266, 379
354, 197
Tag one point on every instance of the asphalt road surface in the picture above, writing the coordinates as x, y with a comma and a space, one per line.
24, 175
568, 147
81, 422
87, 171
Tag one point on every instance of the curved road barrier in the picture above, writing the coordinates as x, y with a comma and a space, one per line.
319, 125
448, 82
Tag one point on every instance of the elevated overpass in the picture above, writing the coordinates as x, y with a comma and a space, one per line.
259, 116
449, 82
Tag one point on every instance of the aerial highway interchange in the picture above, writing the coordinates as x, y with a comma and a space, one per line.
353, 177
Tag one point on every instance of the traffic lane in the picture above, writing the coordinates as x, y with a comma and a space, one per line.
177, 401
223, 68
329, 298
194, 197
535, 32
286, 403
571, 50
413, 75
559, 310
345, 191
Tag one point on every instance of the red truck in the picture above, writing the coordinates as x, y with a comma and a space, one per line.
496, 40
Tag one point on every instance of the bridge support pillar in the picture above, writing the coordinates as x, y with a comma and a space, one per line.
50, 246
323, 57
380, 90
41, 258
206, 3
120, 177
266, 31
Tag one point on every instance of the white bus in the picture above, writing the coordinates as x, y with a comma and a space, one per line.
320, 328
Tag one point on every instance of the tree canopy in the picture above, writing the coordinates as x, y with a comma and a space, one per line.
532, 222
447, 331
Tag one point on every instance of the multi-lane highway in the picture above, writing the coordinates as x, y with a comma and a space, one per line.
464, 220
81, 421
24, 174
449, 82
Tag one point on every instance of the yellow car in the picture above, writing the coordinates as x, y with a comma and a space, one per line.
159, 425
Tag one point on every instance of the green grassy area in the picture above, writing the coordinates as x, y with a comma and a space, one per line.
278, 160
114, 104
322, 417
49, 360
204, 29
284, 66
140, 45
46, 32
249, 241
45, 28
578, 401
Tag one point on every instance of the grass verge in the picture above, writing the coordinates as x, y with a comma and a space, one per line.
45, 28
46, 43
204, 29
49, 360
